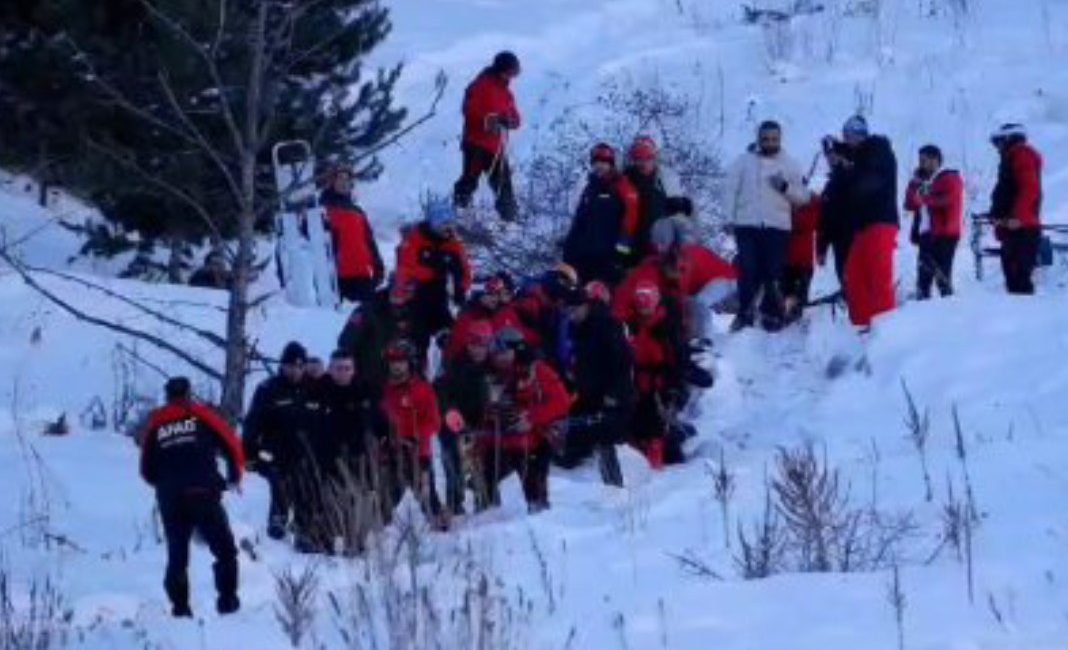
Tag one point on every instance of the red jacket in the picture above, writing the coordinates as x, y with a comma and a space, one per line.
420, 255
179, 447
654, 357
487, 95
540, 395
944, 201
354, 243
697, 266
411, 407
801, 249
504, 316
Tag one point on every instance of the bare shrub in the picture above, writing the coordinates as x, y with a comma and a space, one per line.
919, 428
33, 616
723, 484
895, 596
763, 548
825, 532
296, 601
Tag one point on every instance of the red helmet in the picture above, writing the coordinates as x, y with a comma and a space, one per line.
399, 350
603, 152
646, 296
480, 332
643, 148
597, 290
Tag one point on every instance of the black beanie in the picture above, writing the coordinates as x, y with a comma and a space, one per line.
294, 352
177, 388
505, 61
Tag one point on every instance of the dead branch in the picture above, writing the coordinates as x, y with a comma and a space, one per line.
440, 82
157, 341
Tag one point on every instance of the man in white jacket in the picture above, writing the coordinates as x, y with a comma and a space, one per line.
763, 186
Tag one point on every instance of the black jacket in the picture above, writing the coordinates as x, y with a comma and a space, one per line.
285, 420
179, 448
871, 184
602, 367
464, 386
590, 245
371, 326
350, 421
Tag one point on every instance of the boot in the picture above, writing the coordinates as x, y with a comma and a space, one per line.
608, 464
181, 610
276, 528
227, 604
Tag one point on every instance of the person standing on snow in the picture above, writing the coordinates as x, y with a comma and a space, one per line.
527, 401
935, 197
463, 392
763, 186
1015, 206
871, 193
432, 255
489, 114
658, 193
601, 238
359, 265
279, 439
600, 372
657, 373
800, 257
179, 448
411, 409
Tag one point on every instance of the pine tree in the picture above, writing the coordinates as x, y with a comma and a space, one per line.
171, 108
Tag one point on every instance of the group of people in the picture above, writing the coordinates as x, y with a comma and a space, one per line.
511, 375
783, 228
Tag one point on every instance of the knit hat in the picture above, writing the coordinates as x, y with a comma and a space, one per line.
642, 149
440, 214
855, 125
603, 152
294, 353
177, 388
505, 61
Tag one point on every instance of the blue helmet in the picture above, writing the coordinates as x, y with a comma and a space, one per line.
440, 214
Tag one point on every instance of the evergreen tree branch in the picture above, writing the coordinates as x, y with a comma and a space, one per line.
140, 335
440, 82
210, 64
155, 180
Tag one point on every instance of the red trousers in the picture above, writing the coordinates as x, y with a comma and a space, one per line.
869, 273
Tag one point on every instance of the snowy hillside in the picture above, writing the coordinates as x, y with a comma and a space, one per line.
647, 566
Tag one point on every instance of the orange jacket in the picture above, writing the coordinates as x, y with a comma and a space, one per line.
421, 256
801, 249
539, 394
697, 266
355, 249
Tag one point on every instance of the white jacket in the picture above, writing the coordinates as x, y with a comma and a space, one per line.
750, 199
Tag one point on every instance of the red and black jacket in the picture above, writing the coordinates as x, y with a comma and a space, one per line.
656, 366
424, 257
179, 447
1018, 193
487, 95
355, 249
944, 201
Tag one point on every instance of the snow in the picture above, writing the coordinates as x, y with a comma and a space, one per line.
600, 569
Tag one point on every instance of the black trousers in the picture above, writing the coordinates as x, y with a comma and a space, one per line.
280, 508
1019, 252
533, 469
761, 256
203, 513
934, 265
594, 432
356, 289
478, 161
453, 464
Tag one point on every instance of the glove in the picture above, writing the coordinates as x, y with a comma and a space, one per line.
679, 205
623, 247
778, 183
493, 123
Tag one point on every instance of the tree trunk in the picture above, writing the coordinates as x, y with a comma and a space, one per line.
233, 389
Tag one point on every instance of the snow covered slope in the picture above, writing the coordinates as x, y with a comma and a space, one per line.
602, 568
